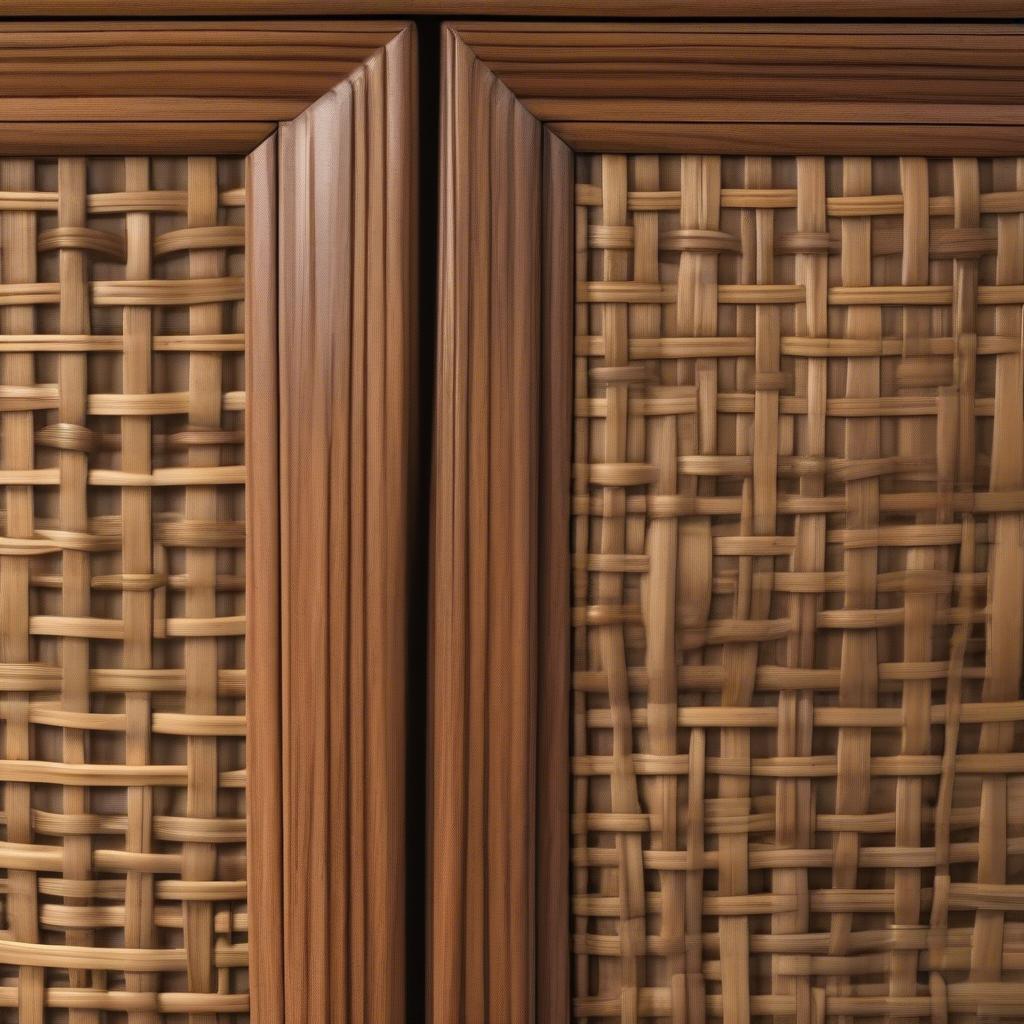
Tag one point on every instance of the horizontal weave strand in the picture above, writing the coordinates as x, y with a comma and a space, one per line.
798, 590
122, 614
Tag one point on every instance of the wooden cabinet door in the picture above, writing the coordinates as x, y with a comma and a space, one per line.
206, 287
729, 574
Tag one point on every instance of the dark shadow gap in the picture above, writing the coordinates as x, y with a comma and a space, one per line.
417, 769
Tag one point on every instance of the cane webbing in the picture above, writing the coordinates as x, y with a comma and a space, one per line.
798, 772
122, 591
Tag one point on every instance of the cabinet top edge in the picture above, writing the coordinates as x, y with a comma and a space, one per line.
468, 24
888, 10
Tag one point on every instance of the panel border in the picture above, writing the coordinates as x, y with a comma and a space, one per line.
538, 8
504, 84
347, 237
227, 72
483, 552
356, 894
263, 608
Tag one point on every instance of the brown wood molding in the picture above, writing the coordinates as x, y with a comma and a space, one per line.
806, 139
911, 73
552, 8
347, 293
484, 552
517, 99
160, 71
133, 138
553, 597
263, 605
333, 948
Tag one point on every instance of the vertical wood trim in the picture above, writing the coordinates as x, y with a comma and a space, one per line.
263, 653
484, 573
346, 374
553, 802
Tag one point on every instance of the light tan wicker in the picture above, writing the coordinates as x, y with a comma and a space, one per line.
798, 589
122, 589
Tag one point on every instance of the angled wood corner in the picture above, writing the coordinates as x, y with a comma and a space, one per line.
519, 99
921, 88
488, 528
330, 323
501, 505
347, 379
327, 764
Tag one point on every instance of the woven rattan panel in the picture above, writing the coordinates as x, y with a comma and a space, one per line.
798, 774
122, 590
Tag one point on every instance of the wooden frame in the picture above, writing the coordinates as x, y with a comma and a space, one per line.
517, 100
326, 112
537, 8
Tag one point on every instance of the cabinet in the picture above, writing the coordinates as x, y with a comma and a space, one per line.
730, 403
206, 282
570, 573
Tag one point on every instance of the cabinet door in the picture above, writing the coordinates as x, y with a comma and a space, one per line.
205, 361
729, 570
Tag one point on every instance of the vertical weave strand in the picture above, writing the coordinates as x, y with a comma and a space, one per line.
798, 751
122, 583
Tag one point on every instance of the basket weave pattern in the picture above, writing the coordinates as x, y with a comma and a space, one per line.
798, 762
122, 590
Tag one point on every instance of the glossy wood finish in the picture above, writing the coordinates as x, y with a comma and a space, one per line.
484, 553
552, 8
749, 113
584, 74
171, 71
347, 244
553, 699
808, 139
263, 601
138, 138
498, 617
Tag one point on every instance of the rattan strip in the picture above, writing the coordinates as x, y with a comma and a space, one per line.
122, 585
798, 589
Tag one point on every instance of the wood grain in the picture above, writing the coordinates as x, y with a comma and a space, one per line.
346, 328
484, 553
778, 138
642, 72
157, 71
140, 138
34, 109
553, 579
639, 109
553, 8
263, 601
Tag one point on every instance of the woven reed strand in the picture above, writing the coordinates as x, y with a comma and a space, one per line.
798, 590
122, 676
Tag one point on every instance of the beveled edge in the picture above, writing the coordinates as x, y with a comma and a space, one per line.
62, 74
301, 918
